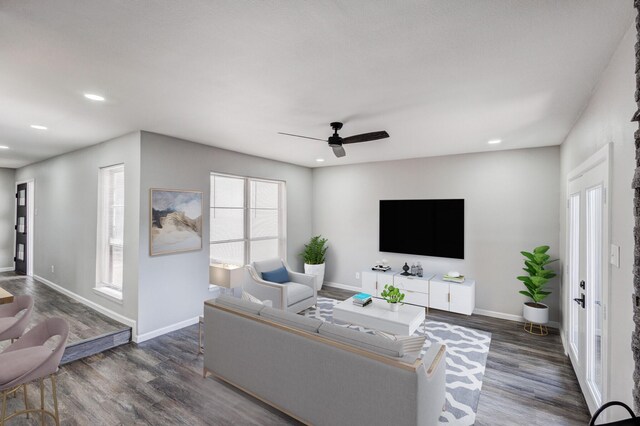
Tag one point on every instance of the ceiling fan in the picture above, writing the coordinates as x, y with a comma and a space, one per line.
336, 141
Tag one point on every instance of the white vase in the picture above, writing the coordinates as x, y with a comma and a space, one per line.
318, 271
537, 313
394, 307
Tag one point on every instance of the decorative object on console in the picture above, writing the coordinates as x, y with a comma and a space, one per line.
419, 270
314, 258
405, 268
176, 221
454, 277
534, 312
393, 296
381, 265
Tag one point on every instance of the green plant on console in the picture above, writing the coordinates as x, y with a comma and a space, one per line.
315, 251
392, 294
537, 276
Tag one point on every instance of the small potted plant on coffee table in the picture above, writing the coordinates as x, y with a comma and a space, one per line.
393, 296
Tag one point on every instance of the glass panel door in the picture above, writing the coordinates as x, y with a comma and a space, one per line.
574, 270
594, 308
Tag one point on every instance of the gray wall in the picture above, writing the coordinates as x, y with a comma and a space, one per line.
65, 228
605, 120
511, 204
173, 287
7, 216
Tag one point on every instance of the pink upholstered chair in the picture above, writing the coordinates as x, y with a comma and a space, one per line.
11, 325
30, 359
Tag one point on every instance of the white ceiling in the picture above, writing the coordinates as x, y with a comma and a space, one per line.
442, 77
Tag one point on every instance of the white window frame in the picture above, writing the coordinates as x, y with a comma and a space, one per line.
282, 216
104, 243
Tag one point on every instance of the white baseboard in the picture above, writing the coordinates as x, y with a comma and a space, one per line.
93, 305
342, 286
164, 330
487, 313
8, 269
510, 317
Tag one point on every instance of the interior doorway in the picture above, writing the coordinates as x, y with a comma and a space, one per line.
587, 275
24, 227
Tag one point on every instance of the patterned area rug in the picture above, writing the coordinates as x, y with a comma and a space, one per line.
467, 351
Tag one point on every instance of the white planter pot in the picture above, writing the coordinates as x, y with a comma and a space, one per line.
394, 307
318, 271
536, 315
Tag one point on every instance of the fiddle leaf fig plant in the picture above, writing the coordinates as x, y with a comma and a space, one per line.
537, 276
314, 252
392, 294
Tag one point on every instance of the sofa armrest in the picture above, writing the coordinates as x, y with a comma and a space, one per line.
265, 290
308, 280
434, 358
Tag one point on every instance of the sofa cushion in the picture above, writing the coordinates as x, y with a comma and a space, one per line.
280, 275
17, 363
250, 298
370, 342
239, 304
410, 344
297, 293
292, 320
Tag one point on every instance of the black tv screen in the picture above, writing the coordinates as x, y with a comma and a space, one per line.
423, 227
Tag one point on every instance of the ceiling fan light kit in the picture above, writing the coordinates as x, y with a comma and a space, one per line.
336, 141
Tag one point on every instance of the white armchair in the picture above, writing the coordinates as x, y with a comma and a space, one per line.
294, 296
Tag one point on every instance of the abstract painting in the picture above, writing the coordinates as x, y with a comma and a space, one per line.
176, 221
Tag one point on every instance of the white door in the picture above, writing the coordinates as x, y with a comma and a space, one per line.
587, 276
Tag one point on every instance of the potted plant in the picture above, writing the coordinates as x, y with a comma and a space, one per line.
314, 257
536, 279
393, 296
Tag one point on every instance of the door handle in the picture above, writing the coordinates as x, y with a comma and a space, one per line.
580, 300
582, 284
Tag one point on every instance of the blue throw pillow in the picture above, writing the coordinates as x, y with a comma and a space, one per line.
279, 275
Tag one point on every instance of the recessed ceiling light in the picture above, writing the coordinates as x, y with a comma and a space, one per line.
494, 141
320, 160
94, 97
38, 127
4, 147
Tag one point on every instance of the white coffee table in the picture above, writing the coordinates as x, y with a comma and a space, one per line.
378, 316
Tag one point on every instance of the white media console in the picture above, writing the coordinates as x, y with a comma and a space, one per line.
430, 290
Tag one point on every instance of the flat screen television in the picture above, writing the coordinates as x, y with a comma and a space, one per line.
423, 227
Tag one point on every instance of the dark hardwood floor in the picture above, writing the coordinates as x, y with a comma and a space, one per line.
528, 381
90, 332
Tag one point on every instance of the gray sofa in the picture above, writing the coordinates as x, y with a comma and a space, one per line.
320, 373
294, 296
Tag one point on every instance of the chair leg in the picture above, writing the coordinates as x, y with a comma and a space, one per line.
55, 398
4, 407
26, 398
42, 401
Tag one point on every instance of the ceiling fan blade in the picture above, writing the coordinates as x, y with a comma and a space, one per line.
366, 137
339, 151
299, 136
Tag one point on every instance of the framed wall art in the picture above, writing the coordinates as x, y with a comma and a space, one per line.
175, 222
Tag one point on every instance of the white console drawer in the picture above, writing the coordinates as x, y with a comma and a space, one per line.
412, 284
414, 298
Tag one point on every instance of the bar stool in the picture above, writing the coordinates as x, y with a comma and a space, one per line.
11, 325
27, 360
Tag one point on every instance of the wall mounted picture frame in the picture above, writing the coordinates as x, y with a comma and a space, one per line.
175, 221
